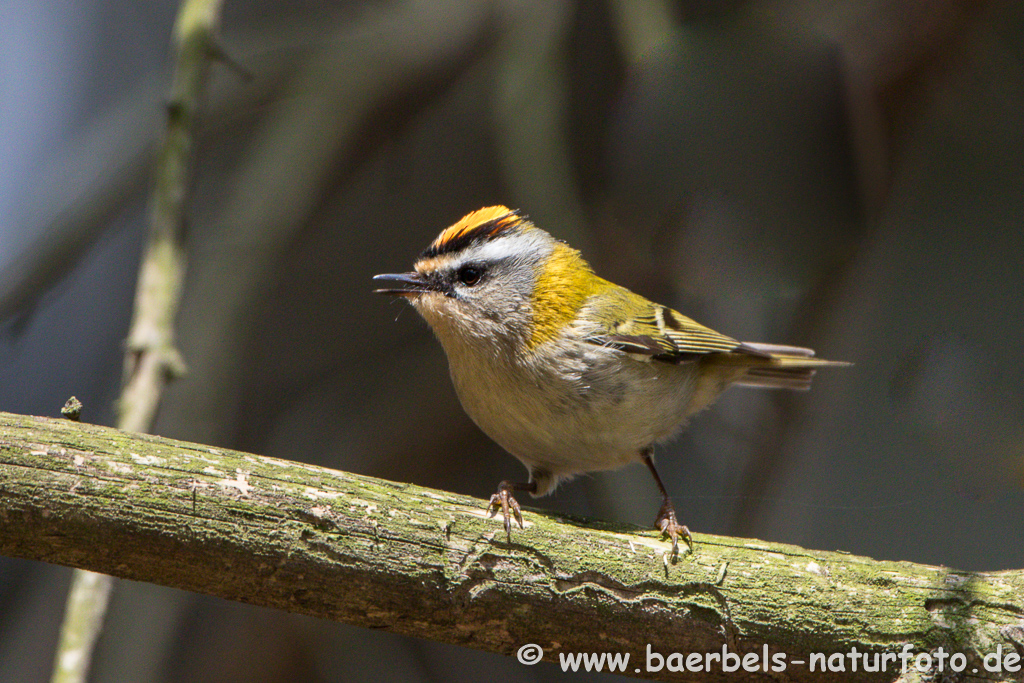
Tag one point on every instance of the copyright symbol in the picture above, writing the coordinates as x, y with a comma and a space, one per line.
529, 654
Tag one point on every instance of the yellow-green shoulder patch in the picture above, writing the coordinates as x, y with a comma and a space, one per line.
563, 286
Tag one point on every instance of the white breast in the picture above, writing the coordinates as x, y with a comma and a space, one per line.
597, 411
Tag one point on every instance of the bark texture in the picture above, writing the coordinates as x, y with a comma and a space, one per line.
432, 564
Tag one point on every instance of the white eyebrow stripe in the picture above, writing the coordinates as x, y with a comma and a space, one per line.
525, 243
522, 243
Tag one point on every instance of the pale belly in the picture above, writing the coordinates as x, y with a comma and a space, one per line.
599, 412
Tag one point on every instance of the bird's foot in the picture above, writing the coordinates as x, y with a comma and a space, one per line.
508, 505
667, 523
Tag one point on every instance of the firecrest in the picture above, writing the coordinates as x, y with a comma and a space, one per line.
566, 371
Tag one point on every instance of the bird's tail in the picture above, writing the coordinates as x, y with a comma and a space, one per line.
774, 366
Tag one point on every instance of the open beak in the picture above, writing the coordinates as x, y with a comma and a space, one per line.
402, 284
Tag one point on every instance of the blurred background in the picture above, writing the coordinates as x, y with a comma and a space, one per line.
842, 175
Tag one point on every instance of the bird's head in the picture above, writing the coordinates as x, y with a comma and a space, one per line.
494, 278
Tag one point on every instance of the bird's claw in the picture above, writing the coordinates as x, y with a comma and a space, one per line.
667, 523
508, 505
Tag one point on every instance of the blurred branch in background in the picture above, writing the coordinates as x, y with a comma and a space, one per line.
531, 113
307, 135
889, 56
110, 163
432, 564
151, 357
892, 54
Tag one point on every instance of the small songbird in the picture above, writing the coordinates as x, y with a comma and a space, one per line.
566, 371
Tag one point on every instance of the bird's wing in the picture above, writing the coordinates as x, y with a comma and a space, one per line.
662, 333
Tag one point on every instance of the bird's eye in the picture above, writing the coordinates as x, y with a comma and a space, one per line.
470, 275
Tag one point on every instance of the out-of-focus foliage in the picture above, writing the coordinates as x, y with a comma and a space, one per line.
842, 175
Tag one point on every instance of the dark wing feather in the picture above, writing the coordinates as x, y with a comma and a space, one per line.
666, 335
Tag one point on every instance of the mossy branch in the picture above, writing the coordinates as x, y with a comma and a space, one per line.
151, 357
432, 564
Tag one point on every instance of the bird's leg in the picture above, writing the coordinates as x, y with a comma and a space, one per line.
509, 506
666, 520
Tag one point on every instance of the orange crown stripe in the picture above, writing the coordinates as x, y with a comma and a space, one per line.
481, 224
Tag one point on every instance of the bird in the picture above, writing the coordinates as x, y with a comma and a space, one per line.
568, 372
